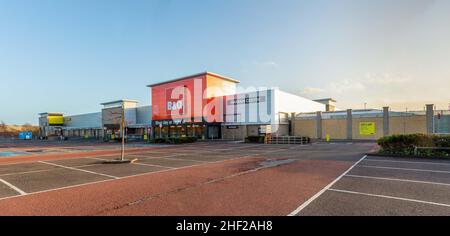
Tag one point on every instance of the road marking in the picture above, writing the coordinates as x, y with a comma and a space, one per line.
412, 162
305, 204
145, 164
125, 177
390, 197
20, 191
72, 168
401, 180
144, 156
43, 170
132, 176
407, 169
179, 159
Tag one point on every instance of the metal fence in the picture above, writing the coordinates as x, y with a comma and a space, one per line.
441, 122
287, 140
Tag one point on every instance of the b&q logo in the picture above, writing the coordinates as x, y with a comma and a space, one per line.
175, 105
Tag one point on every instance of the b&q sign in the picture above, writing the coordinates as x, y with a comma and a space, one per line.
367, 128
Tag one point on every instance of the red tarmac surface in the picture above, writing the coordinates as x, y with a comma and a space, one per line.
230, 187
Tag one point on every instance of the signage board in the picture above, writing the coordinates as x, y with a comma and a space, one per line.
367, 128
265, 129
55, 120
112, 116
247, 100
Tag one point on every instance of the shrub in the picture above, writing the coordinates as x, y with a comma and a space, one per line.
442, 141
175, 140
254, 139
159, 140
405, 144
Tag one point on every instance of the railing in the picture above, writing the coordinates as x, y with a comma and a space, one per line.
288, 140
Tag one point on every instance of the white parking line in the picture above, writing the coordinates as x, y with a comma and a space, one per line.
390, 197
72, 168
412, 162
305, 204
400, 180
20, 191
202, 163
145, 164
144, 156
182, 159
407, 169
40, 171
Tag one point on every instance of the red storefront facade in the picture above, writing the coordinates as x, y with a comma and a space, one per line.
190, 106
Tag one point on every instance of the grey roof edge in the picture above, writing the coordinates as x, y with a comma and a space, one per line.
121, 100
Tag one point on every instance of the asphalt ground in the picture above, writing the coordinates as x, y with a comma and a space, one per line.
194, 179
386, 186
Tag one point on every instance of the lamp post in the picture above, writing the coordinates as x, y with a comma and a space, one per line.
122, 156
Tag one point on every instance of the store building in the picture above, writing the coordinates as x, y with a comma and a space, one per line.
205, 105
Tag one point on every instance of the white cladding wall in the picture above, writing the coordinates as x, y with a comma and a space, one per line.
287, 102
250, 108
267, 107
90, 120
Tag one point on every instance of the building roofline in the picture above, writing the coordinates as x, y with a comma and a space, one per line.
118, 101
51, 113
325, 99
195, 75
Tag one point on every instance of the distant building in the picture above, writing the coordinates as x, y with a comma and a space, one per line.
205, 105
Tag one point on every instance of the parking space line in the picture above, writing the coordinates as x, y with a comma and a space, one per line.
20, 191
400, 180
145, 164
389, 197
407, 169
182, 159
411, 162
202, 163
72, 168
305, 204
144, 156
109, 180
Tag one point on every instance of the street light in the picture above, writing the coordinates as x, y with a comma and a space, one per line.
122, 156
122, 153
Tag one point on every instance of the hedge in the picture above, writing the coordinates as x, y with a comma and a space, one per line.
254, 139
175, 140
405, 144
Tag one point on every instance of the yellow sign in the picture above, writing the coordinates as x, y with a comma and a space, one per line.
145, 137
367, 128
55, 120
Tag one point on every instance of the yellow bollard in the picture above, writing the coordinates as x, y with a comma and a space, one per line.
328, 138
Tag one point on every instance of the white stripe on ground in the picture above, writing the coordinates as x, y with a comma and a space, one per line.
400, 180
389, 197
136, 175
127, 177
43, 170
72, 168
407, 169
412, 162
20, 191
305, 204
145, 164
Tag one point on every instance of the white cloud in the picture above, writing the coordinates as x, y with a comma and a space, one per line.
266, 64
385, 79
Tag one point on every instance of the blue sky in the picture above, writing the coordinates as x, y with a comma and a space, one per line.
71, 55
